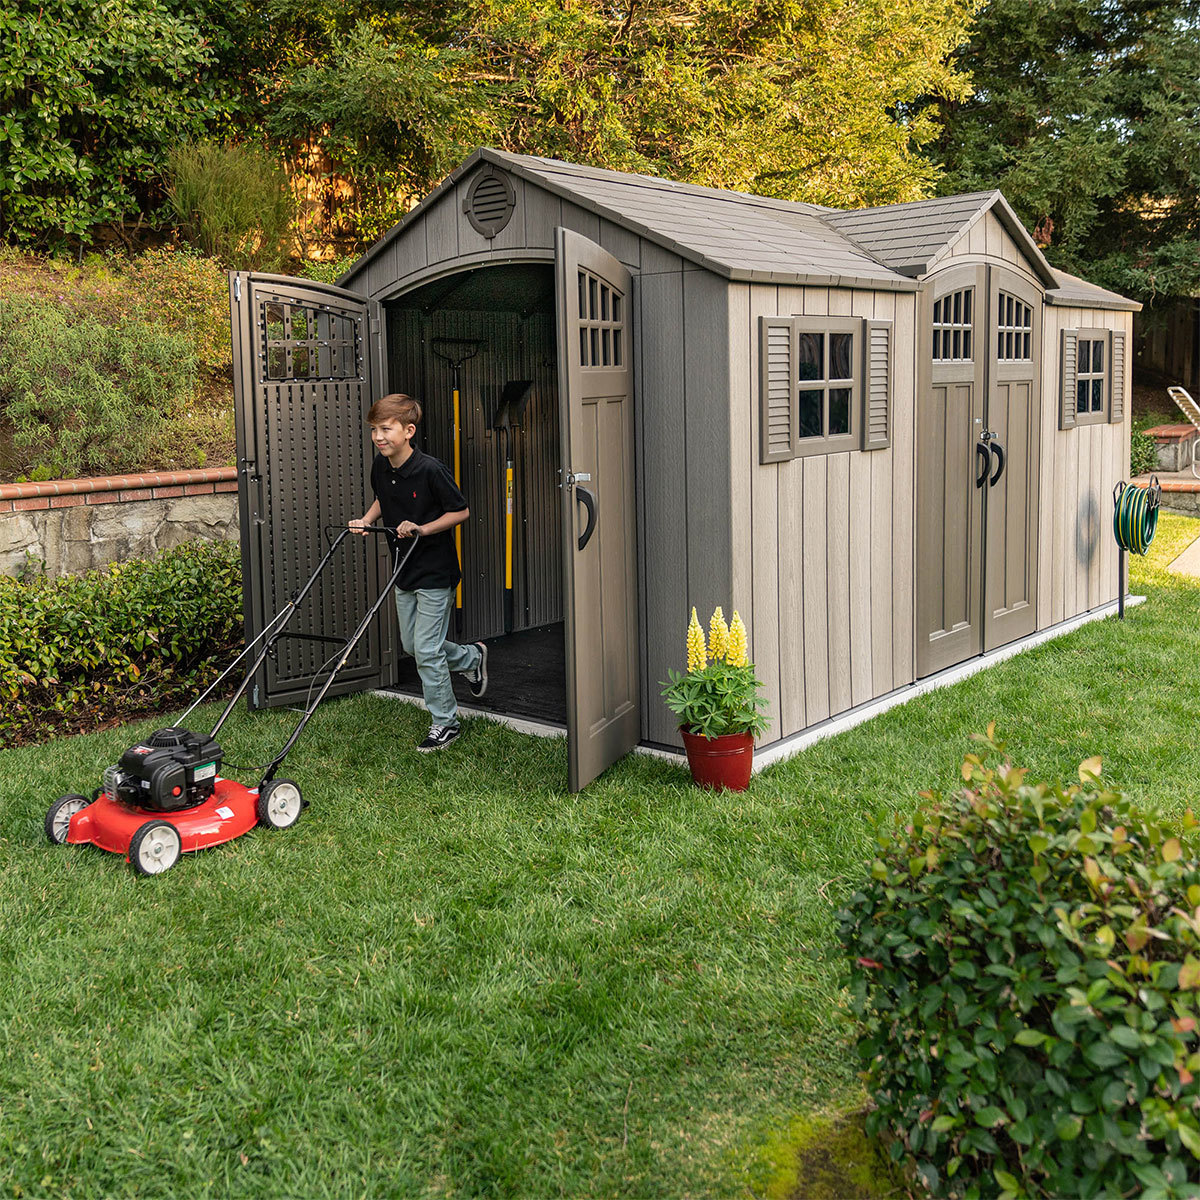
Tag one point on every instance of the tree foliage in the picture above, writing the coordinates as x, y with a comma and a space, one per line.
92, 92
1086, 113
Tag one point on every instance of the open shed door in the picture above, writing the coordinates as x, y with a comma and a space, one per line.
599, 550
301, 360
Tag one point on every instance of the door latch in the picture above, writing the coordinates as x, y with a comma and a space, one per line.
574, 477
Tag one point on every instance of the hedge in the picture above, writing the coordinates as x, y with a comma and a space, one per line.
79, 650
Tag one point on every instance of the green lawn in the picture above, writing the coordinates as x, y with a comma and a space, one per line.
453, 978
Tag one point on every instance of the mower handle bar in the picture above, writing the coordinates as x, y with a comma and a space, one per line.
272, 631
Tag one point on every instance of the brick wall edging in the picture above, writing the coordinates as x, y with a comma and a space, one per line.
109, 489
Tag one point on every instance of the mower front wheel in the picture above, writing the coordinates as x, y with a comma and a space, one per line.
279, 804
154, 848
58, 819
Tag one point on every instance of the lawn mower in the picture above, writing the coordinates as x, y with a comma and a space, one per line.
165, 796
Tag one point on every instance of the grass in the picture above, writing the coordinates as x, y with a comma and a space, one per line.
453, 978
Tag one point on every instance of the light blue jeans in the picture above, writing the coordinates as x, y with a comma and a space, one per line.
424, 622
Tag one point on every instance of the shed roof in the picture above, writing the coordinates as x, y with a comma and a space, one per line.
759, 239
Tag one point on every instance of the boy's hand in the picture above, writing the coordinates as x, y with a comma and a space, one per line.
407, 529
359, 526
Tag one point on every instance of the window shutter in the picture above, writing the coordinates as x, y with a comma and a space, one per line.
1070, 360
877, 385
777, 418
1116, 409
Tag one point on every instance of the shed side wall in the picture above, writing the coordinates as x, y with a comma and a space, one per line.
1077, 555
822, 553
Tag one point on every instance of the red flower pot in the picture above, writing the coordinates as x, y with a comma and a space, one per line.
720, 762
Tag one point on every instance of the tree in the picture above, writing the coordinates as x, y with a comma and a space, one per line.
1086, 114
92, 93
802, 99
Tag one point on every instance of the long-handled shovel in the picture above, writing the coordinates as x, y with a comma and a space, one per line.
510, 411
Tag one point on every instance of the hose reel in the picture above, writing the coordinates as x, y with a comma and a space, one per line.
1135, 518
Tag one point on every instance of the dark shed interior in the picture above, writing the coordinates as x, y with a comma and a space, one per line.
499, 323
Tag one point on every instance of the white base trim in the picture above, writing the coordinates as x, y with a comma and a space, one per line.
789, 746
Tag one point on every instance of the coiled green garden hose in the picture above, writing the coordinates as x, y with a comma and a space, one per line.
1135, 517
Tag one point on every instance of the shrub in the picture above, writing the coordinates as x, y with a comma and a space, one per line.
81, 648
1143, 456
87, 394
1026, 960
233, 202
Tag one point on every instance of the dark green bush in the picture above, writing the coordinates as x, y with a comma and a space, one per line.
1026, 960
80, 649
1143, 456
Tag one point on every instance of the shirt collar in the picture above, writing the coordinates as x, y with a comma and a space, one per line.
409, 464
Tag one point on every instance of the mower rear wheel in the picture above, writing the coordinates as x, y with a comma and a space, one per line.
154, 848
58, 819
279, 804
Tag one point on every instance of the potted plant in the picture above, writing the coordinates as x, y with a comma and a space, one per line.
718, 704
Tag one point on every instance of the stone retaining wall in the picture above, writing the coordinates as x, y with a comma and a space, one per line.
76, 524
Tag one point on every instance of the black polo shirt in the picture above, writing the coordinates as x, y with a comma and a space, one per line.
420, 491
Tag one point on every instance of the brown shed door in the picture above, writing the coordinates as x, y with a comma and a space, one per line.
599, 550
977, 469
301, 391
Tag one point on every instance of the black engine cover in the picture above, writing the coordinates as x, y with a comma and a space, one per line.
171, 770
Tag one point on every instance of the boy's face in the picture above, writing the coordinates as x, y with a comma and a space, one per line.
390, 437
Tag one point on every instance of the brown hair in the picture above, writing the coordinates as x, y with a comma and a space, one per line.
396, 407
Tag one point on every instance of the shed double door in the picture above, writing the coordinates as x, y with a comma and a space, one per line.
302, 355
977, 463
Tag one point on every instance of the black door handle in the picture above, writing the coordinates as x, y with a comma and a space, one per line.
985, 464
589, 502
998, 451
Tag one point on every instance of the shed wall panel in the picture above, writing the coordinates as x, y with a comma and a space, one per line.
1077, 560
988, 241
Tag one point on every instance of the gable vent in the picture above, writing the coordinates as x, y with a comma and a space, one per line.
490, 202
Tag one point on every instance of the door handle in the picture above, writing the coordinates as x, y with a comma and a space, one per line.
985, 464
589, 502
998, 451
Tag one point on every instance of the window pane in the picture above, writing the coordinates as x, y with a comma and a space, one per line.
937, 312
1097, 398
1085, 356
1026, 354
812, 356
967, 306
1081, 396
810, 413
937, 343
1000, 344
616, 307
1097, 356
273, 318
839, 410
276, 362
957, 353
606, 348
583, 346
616, 344
966, 345
603, 303
300, 362
840, 352
958, 296
583, 295
592, 305
1009, 345
595, 347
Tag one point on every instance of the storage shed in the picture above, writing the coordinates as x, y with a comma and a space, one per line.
888, 436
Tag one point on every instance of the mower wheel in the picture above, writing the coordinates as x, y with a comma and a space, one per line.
279, 804
58, 819
154, 848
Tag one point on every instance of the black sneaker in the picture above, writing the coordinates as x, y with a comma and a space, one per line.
477, 679
439, 737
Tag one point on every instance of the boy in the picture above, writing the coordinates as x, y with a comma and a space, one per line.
416, 494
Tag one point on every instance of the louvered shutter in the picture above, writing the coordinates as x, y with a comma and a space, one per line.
1116, 409
1070, 360
778, 417
877, 385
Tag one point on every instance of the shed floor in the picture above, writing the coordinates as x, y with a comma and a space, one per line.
526, 676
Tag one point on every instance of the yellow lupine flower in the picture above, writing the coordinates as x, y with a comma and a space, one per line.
718, 635
696, 653
738, 654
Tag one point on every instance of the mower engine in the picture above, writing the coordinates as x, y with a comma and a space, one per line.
173, 769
